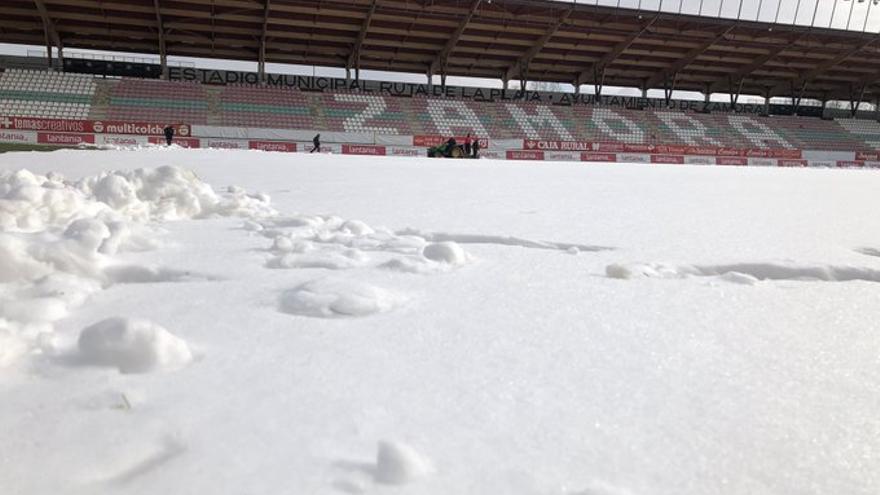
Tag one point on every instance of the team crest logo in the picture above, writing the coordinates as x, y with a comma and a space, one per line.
98, 126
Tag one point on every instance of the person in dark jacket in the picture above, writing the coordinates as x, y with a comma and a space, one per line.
169, 134
317, 142
467, 145
476, 149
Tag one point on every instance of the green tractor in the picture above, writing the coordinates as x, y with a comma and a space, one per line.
447, 149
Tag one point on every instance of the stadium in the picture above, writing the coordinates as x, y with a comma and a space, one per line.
583, 45
241, 261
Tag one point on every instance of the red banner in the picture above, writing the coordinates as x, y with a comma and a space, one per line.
638, 148
91, 126
701, 150
731, 160
670, 149
525, 155
272, 146
137, 128
598, 157
51, 125
357, 149
729, 152
64, 139
676, 159
429, 141
610, 147
850, 163
531, 144
786, 153
868, 155
182, 142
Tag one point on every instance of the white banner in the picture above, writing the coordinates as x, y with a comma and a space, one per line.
762, 162
121, 140
21, 137
831, 156
633, 158
226, 144
699, 160
405, 151
561, 156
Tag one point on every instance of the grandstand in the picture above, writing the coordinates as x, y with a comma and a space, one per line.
513, 40
53, 95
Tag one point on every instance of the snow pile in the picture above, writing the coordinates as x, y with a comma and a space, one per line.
329, 298
333, 243
445, 252
58, 239
132, 346
398, 463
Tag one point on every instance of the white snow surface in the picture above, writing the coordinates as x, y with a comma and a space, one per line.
400, 325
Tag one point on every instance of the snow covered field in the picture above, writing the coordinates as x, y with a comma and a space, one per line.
395, 325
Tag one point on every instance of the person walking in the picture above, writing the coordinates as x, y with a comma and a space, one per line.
467, 144
317, 142
476, 149
169, 134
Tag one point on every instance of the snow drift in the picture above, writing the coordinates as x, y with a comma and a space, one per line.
58, 239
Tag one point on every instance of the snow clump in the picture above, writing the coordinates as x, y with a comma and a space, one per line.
446, 252
398, 463
329, 298
132, 346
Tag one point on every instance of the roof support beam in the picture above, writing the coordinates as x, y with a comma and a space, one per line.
521, 65
261, 64
854, 103
160, 30
830, 64
354, 60
755, 65
687, 58
608, 59
50, 31
440, 62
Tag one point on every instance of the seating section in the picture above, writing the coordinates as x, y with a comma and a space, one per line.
268, 107
149, 100
43, 94
27, 93
867, 131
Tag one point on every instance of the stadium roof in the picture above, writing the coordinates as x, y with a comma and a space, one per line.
508, 39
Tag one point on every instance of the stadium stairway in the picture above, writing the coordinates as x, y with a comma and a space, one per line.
213, 97
101, 100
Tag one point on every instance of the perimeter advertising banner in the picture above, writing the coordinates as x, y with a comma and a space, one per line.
661, 149
92, 126
598, 157
272, 146
524, 155
731, 160
532, 144
21, 137
182, 142
357, 149
64, 139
